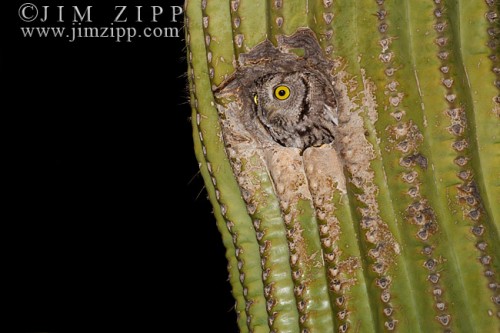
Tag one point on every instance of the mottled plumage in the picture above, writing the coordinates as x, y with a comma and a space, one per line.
306, 113
282, 97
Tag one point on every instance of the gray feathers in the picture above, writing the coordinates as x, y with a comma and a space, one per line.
284, 98
306, 114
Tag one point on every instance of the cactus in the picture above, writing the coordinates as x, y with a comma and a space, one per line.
399, 230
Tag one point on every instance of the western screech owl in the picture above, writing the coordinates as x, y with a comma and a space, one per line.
296, 108
285, 98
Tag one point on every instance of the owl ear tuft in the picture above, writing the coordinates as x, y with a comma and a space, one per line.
331, 113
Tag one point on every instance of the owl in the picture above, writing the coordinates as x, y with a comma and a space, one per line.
298, 109
281, 97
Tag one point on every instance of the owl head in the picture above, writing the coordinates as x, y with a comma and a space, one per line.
298, 109
281, 97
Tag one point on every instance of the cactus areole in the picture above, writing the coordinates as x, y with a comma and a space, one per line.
351, 151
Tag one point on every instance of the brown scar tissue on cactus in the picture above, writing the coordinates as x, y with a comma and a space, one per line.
351, 152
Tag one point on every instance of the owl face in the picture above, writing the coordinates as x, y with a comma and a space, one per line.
277, 98
297, 109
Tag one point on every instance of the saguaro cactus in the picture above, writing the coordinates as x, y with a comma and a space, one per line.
393, 225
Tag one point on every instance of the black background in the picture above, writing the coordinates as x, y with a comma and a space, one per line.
106, 220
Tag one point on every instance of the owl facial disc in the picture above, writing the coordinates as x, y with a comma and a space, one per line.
297, 109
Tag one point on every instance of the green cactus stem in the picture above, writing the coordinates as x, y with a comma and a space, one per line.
395, 226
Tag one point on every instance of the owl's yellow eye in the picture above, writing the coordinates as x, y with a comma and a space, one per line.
256, 99
282, 92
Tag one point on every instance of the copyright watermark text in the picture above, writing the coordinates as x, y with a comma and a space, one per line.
124, 23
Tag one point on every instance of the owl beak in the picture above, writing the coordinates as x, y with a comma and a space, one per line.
270, 114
